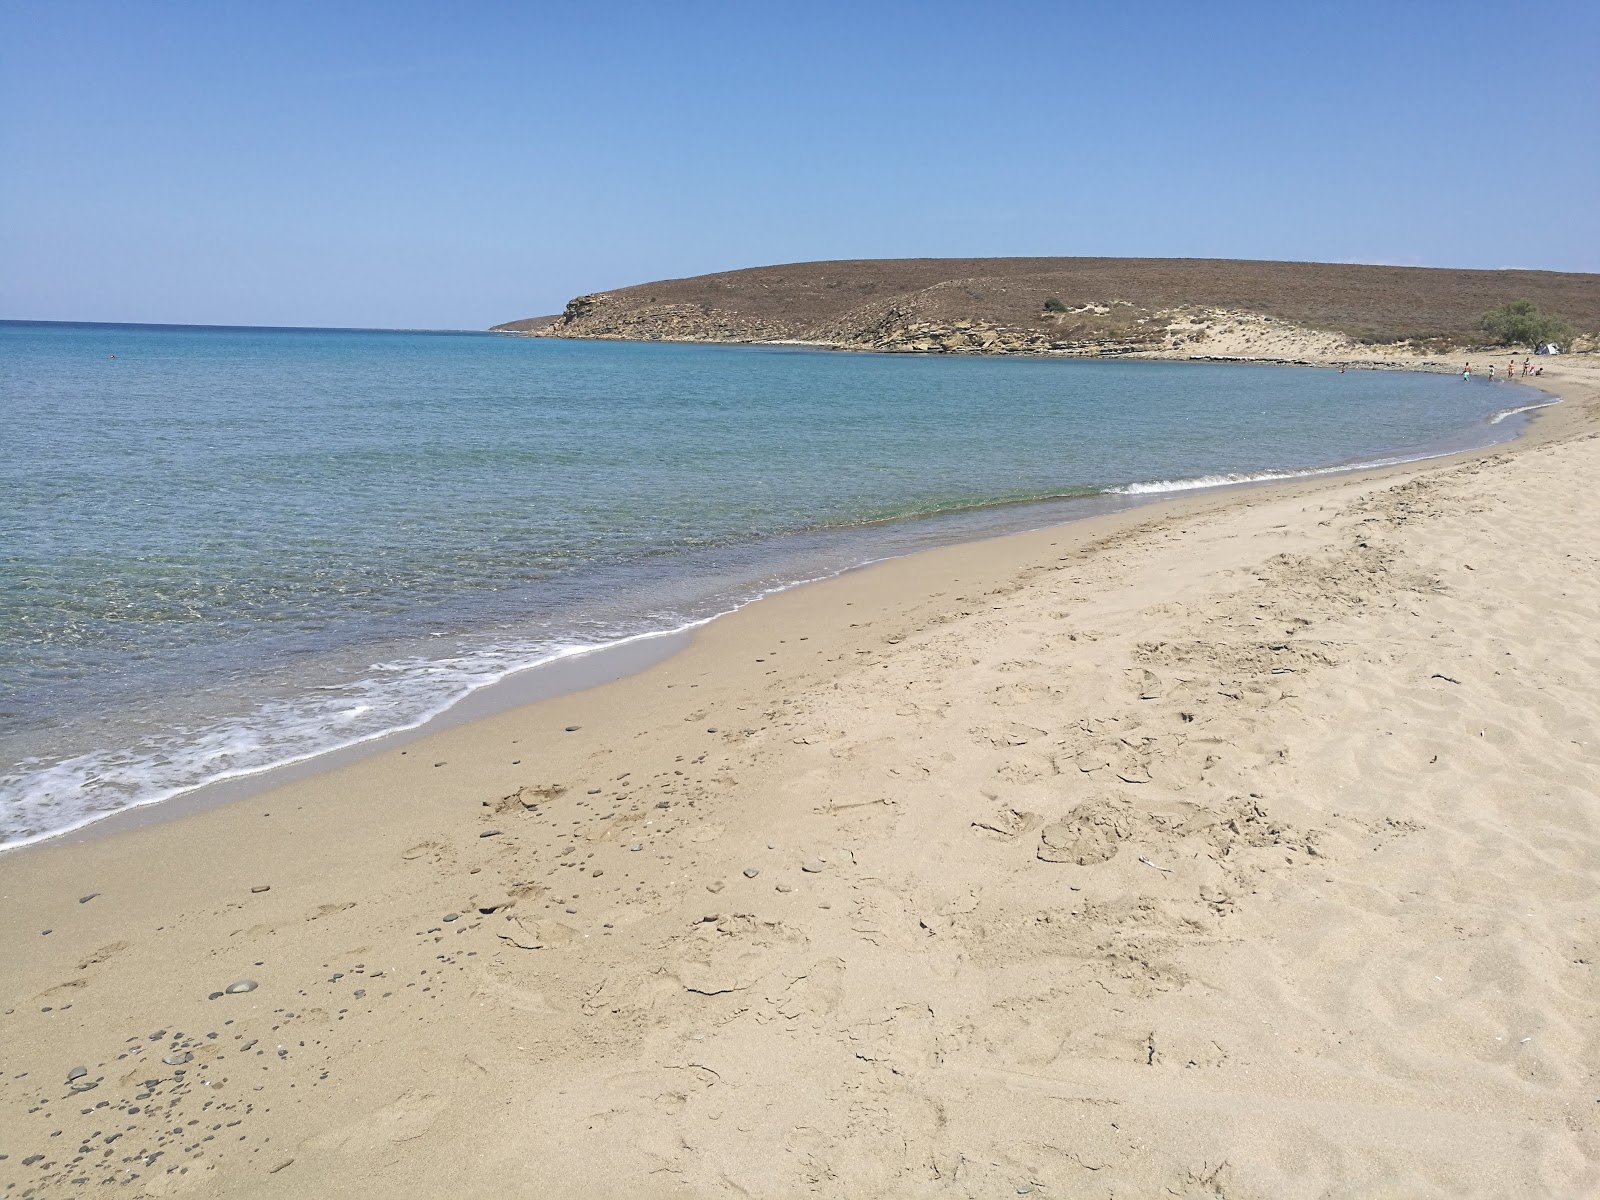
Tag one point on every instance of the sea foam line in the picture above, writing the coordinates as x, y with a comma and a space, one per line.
1215, 481
132, 767
78, 778
1511, 412
1155, 486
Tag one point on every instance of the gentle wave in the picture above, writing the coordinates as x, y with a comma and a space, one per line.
1511, 412
1215, 481
42, 801
1156, 486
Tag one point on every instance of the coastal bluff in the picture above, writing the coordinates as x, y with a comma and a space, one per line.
1189, 307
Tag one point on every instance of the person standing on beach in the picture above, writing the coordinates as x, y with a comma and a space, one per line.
1467, 374
1491, 372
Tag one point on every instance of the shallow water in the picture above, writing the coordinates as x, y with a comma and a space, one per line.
222, 549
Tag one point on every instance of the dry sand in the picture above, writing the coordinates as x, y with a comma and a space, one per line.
1243, 845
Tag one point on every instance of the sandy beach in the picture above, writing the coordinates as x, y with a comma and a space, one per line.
1243, 844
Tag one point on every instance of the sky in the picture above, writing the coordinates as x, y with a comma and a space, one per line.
454, 165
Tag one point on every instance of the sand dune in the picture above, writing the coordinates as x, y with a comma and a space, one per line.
1244, 845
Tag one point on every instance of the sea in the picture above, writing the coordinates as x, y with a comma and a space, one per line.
228, 549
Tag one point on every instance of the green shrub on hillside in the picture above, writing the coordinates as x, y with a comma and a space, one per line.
1054, 305
1520, 323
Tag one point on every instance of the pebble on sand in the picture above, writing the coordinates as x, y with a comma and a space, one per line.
811, 868
239, 986
177, 1060
77, 1073
751, 872
490, 833
572, 728
784, 887
259, 888
89, 897
452, 916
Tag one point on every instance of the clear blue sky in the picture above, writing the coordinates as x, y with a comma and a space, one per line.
451, 165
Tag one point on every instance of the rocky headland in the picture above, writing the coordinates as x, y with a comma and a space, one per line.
1184, 308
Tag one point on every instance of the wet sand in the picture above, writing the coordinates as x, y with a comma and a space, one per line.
1243, 844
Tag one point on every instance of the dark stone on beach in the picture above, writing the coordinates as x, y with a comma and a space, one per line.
784, 887
811, 868
85, 1087
214, 996
596, 873
240, 986
712, 729
663, 803
261, 887
490, 833
751, 872
177, 1060
452, 916
438, 764
89, 897
31, 1159
572, 728
77, 1073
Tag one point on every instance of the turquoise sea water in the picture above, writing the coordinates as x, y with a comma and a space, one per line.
226, 548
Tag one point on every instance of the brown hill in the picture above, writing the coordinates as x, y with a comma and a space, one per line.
1105, 304
527, 324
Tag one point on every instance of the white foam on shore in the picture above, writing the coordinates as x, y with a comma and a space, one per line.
1511, 412
1155, 486
40, 800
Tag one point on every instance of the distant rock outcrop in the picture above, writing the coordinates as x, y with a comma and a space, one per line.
526, 325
